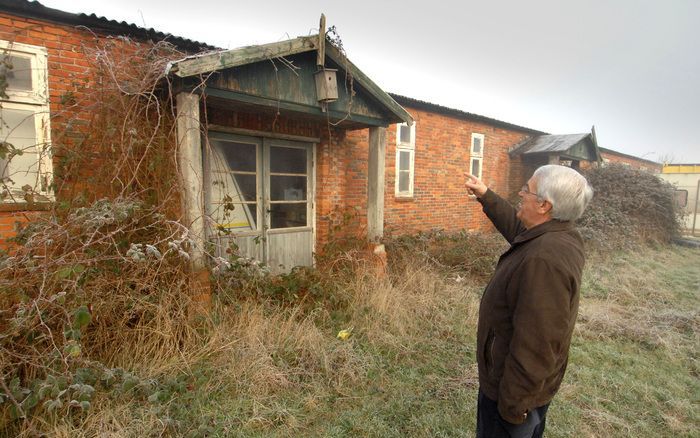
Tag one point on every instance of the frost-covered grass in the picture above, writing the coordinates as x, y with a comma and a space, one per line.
261, 368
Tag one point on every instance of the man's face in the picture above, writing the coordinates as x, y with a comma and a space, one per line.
531, 211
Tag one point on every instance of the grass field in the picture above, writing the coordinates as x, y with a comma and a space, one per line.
260, 369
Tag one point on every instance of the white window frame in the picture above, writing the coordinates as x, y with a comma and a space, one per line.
37, 102
477, 156
410, 148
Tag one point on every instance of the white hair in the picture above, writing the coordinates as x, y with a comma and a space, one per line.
567, 190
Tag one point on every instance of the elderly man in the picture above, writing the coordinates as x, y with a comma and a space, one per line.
529, 307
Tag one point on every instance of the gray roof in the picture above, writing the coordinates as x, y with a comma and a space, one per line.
34, 9
550, 143
421, 104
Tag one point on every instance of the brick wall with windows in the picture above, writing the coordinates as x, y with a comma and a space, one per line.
61, 75
442, 154
431, 194
63, 69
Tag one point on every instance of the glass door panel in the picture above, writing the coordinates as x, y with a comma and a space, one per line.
235, 184
288, 186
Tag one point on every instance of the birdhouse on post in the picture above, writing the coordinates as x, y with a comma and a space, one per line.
326, 80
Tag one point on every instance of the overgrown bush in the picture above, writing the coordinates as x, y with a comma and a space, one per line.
99, 284
629, 206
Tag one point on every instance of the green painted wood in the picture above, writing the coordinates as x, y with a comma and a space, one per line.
334, 115
583, 150
278, 81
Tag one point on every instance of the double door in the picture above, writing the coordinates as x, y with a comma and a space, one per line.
260, 198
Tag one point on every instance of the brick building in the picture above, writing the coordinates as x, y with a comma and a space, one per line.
615, 157
268, 157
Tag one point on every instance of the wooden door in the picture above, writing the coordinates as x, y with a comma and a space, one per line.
260, 199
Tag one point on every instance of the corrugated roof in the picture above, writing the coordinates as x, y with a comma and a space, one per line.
551, 143
610, 151
34, 9
421, 104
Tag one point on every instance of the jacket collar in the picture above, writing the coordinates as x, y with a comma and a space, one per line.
546, 227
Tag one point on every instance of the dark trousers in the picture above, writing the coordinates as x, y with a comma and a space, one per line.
489, 423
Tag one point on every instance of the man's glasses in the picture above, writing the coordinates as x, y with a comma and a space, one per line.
525, 189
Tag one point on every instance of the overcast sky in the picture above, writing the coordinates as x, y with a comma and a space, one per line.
629, 67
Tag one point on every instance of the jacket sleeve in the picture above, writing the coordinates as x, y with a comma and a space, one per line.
502, 215
541, 297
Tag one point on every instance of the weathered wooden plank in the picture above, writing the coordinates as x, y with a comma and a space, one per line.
191, 172
375, 184
245, 55
321, 50
255, 133
287, 250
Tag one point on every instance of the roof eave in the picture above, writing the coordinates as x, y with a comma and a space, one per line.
219, 60
209, 62
400, 114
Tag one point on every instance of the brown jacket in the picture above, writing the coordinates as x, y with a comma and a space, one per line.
528, 311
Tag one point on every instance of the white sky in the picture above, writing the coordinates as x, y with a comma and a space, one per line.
629, 67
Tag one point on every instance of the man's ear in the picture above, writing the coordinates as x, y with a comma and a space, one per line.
545, 207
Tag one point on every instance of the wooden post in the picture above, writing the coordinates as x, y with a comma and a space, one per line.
191, 173
375, 184
321, 52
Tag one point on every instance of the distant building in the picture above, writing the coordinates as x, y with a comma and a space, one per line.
611, 156
686, 178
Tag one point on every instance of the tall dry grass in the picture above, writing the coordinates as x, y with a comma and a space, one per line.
258, 352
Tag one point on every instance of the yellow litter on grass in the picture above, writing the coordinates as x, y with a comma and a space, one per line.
344, 334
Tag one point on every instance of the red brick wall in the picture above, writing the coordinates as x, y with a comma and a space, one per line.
441, 152
10, 222
71, 80
633, 162
442, 155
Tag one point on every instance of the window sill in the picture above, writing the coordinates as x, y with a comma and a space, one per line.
26, 206
404, 198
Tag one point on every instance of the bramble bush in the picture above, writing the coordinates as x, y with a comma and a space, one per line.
629, 207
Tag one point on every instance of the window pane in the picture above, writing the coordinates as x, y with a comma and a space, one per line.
287, 188
17, 71
476, 167
287, 160
237, 156
288, 215
404, 134
17, 128
236, 186
404, 181
235, 217
477, 145
404, 160
681, 198
245, 185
